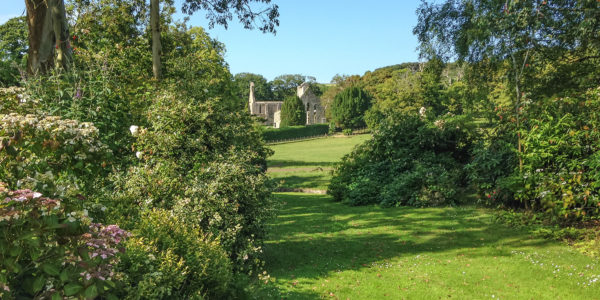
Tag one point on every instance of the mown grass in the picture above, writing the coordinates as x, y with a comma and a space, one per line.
307, 164
321, 249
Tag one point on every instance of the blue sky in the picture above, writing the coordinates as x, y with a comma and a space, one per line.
319, 38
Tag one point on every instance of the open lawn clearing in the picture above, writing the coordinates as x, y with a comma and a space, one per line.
318, 248
307, 164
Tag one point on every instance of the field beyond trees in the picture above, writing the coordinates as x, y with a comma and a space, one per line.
308, 164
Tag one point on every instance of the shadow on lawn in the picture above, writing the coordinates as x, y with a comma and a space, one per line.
298, 163
314, 236
307, 181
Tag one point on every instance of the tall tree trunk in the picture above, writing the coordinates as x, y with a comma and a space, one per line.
61, 35
48, 32
156, 45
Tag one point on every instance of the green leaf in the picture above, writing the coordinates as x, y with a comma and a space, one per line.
38, 284
64, 276
51, 269
111, 297
56, 296
72, 289
91, 292
15, 251
110, 283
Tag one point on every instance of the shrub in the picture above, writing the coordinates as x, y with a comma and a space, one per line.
560, 141
293, 112
15, 100
60, 158
205, 162
562, 145
46, 252
293, 132
231, 201
169, 259
494, 160
90, 94
409, 161
349, 107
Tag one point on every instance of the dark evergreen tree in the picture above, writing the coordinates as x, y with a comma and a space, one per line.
349, 107
293, 112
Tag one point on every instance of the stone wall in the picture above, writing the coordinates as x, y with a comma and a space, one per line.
270, 111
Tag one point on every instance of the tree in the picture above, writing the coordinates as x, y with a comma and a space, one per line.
510, 33
13, 46
49, 43
156, 45
218, 12
338, 83
293, 112
349, 107
262, 88
285, 85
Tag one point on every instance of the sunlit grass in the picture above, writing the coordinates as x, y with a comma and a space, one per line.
318, 248
307, 164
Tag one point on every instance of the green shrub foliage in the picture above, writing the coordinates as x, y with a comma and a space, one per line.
170, 259
60, 158
349, 107
293, 112
409, 161
204, 162
294, 132
560, 159
47, 252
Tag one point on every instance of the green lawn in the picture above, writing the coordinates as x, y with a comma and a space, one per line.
307, 164
321, 249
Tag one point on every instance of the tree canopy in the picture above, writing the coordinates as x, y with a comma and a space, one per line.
262, 87
293, 112
349, 107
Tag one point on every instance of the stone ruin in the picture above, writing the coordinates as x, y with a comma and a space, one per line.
270, 111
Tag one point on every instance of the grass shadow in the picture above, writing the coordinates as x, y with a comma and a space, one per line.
314, 237
298, 163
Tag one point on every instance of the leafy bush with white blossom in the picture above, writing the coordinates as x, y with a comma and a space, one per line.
205, 162
60, 158
15, 100
46, 252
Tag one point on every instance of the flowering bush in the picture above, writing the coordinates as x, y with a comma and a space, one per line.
204, 161
57, 157
15, 100
233, 202
48, 253
93, 91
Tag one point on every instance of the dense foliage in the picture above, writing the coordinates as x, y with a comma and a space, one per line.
559, 173
179, 164
349, 107
13, 47
293, 112
525, 97
409, 161
262, 87
294, 132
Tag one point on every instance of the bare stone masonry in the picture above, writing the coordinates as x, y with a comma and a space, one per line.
271, 110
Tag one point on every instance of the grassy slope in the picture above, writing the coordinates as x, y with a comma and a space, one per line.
319, 248
306, 164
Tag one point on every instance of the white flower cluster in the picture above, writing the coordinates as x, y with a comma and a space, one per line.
70, 132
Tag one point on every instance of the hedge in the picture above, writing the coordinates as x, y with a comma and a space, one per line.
294, 132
